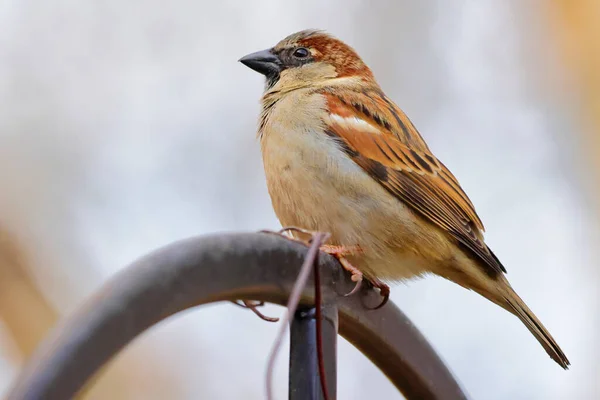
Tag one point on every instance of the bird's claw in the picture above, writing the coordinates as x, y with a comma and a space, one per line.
358, 280
287, 229
384, 290
252, 306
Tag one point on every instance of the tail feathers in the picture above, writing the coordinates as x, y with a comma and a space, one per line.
515, 305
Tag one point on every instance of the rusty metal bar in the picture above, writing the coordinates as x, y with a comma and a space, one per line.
213, 268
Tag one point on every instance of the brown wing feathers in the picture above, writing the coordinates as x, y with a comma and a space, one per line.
403, 164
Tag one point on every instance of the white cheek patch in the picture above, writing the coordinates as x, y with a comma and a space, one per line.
354, 123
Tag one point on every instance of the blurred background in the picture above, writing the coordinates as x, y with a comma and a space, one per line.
126, 125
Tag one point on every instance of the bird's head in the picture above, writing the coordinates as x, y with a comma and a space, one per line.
307, 58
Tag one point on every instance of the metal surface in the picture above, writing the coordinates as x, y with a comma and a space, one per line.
304, 377
206, 269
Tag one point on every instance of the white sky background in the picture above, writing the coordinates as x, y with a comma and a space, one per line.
126, 125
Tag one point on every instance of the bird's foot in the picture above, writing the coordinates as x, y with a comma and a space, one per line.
340, 253
252, 305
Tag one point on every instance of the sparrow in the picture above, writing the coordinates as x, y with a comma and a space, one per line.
341, 157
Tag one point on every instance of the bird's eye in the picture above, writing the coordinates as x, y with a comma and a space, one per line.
301, 52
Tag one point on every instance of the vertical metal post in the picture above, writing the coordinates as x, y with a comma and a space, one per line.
304, 380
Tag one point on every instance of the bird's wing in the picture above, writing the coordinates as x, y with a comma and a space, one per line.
379, 137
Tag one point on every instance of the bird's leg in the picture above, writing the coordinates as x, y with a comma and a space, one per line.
341, 250
252, 305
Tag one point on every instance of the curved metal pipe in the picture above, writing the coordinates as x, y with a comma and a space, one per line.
206, 269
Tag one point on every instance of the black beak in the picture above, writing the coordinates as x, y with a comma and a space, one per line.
264, 62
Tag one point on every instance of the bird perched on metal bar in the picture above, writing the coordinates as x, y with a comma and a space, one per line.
343, 158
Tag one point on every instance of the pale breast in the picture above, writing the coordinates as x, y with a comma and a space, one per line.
314, 185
